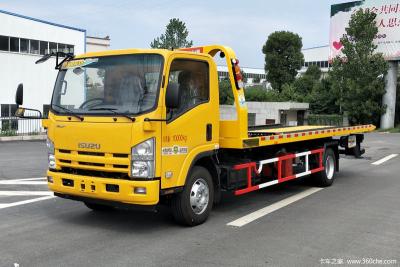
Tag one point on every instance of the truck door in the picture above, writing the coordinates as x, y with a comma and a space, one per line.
192, 128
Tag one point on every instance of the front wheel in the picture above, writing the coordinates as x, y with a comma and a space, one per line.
326, 177
193, 205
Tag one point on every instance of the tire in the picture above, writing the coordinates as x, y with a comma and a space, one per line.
326, 177
193, 205
356, 151
98, 207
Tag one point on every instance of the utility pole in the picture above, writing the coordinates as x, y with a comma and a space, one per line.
389, 98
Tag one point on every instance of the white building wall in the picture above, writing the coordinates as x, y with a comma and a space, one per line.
96, 44
249, 72
18, 68
291, 117
265, 110
316, 54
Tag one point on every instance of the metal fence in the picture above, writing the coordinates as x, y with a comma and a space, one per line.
327, 119
13, 126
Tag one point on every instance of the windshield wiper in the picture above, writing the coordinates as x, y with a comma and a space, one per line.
70, 112
112, 110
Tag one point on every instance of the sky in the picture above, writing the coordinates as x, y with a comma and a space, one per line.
242, 25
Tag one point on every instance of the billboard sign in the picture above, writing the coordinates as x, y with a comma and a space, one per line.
387, 20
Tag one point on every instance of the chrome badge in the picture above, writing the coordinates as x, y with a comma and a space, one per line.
89, 145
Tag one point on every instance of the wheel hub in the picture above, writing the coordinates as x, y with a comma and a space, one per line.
199, 196
329, 166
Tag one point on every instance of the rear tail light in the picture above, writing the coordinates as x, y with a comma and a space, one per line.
237, 74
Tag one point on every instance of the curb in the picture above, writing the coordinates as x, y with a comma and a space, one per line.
22, 138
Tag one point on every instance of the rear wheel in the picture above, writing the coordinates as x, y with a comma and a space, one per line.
193, 205
356, 151
327, 176
98, 207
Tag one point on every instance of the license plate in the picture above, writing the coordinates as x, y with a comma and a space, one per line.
351, 141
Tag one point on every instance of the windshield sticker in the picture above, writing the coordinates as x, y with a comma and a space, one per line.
242, 101
174, 150
79, 63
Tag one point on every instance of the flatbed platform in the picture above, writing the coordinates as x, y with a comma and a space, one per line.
281, 135
291, 129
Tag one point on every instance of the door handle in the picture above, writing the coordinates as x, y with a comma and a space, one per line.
209, 132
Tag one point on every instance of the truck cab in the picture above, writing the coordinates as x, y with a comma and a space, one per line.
113, 134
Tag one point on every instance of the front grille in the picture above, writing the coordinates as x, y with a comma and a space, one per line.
98, 154
120, 166
91, 164
92, 173
93, 161
117, 155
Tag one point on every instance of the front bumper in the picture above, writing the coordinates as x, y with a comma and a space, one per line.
99, 188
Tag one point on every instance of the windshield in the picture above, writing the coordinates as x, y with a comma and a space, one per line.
125, 84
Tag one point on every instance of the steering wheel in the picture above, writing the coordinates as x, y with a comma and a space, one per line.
86, 103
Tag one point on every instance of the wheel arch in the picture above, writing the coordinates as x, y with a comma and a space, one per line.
207, 161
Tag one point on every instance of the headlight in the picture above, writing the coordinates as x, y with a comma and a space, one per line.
143, 160
50, 146
50, 154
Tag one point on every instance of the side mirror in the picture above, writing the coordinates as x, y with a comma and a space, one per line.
172, 96
19, 95
20, 112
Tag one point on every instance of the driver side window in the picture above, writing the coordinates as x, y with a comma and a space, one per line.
192, 78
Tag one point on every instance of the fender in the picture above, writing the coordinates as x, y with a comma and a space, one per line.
195, 155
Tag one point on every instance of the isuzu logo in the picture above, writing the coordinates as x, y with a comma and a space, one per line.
89, 145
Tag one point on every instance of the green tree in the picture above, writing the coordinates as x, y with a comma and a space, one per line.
225, 93
302, 88
175, 36
290, 93
256, 79
304, 85
358, 78
244, 76
323, 99
314, 72
283, 58
260, 94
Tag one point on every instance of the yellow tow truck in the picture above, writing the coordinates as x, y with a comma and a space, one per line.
140, 127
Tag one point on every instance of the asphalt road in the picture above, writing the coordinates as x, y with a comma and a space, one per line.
357, 218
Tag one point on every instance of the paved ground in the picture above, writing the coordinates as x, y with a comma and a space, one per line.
358, 217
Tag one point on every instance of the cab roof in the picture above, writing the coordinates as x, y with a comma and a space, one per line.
124, 52
164, 52
208, 50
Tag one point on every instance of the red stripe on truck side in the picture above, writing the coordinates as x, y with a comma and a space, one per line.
285, 157
246, 190
251, 168
317, 170
284, 179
